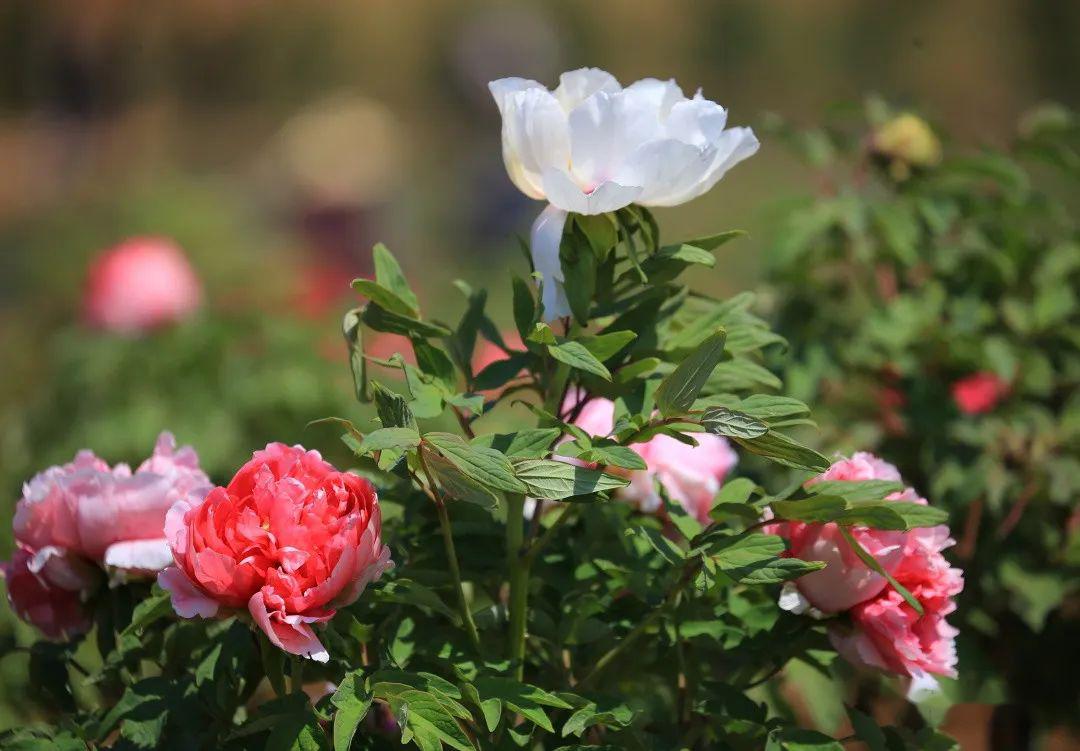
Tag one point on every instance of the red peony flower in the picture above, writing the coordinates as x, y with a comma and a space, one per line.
289, 538
979, 392
139, 285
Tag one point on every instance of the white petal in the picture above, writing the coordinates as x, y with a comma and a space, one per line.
923, 686
604, 131
502, 89
578, 85
563, 192
792, 600
734, 146
663, 95
139, 556
696, 121
535, 136
544, 242
667, 169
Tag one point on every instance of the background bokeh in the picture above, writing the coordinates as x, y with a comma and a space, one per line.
277, 141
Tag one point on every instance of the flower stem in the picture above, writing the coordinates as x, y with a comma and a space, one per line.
519, 580
455, 571
687, 576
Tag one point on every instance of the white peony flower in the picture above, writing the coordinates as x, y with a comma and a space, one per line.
592, 146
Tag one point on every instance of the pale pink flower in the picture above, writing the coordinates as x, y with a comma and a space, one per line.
56, 611
141, 284
290, 539
690, 475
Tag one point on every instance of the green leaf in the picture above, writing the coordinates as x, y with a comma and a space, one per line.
532, 443
776, 571
605, 452
426, 721
487, 466
383, 319
602, 712
606, 346
864, 491
712, 242
636, 369
726, 422
402, 439
388, 274
875, 565
579, 269
351, 329
784, 450
524, 307
681, 387
867, 730
732, 552
816, 509
383, 297
523, 698
499, 373
409, 592
393, 409
600, 230
577, 356
352, 702
456, 483
668, 550
556, 481
797, 739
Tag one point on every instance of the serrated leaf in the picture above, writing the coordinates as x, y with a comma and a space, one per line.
681, 387
485, 465
726, 422
556, 481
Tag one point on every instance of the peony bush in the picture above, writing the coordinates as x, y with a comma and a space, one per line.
593, 529
929, 297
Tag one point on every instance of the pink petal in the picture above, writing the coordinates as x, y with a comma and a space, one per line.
187, 600
289, 633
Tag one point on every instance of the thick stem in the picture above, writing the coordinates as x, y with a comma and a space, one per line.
519, 565
455, 572
688, 574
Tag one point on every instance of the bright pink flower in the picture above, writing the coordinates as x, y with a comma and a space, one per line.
887, 634
55, 611
289, 538
141, 284
85, 511
979, 392
690, 475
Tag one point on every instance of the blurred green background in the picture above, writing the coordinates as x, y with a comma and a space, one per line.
277, 141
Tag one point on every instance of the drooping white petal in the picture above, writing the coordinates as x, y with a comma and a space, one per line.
667, 169
697, 121
732, 147
502, 90
535, 136
565, 193
139, 556
544, 242
605, 130
576, 86
663, 95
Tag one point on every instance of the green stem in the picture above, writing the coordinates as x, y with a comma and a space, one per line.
519, 580
273, 665
296, 674
455, 571
569, 511
688, 574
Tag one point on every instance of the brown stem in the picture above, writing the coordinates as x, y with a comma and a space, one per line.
1017, 511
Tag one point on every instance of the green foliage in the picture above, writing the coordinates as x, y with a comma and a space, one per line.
905, 276
590, 625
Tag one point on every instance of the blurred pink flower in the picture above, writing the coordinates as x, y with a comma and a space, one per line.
86, 511
979, 392
55, 611
141, 284
290, 539
888, 633
690, 475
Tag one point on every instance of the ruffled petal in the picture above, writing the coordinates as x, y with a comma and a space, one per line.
667, 169
187, 600
535, 136
576, 86
564, 193
290, 633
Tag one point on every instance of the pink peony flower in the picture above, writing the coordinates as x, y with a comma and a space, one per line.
690, 475
887, 633
141, 284
86, 512
56, 611
979, 392
289, 538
